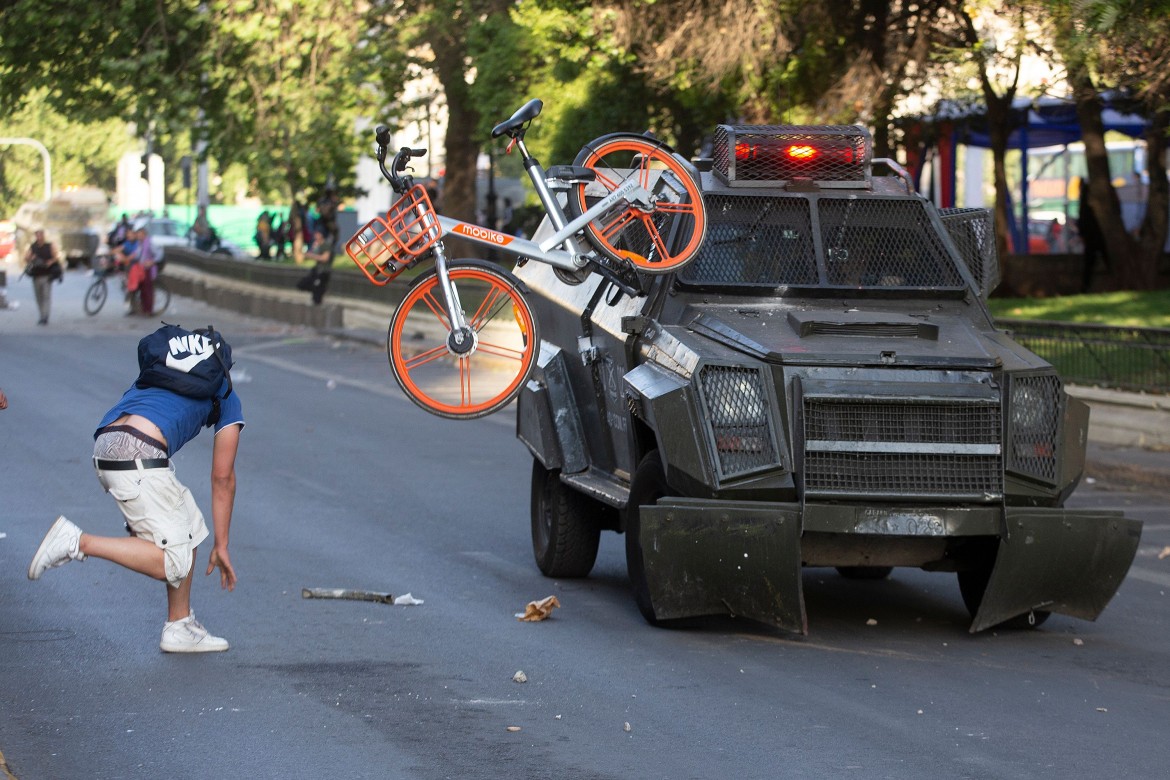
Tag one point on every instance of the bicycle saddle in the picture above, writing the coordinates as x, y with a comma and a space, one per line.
526, 114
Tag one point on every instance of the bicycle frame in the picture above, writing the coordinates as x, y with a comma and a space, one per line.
572, 259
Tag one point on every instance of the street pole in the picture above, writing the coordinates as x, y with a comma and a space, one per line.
44, 156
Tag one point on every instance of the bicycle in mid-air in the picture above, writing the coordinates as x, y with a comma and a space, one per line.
464, 339
99, 290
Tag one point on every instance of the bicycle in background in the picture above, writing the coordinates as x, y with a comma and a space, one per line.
464, 339
99, 289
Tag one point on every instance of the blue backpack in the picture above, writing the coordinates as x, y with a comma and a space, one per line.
192, 363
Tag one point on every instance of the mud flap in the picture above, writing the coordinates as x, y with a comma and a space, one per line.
1070, 562
706, 558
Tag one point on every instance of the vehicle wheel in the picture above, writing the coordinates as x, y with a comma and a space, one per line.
504, 342
566, 525
660, 240
973, 584
648, 485
95, 296
162, 297
865, 572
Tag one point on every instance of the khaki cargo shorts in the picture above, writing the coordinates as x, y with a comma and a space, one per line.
159, 509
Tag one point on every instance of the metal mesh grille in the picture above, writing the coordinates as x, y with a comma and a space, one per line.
884, 243
745, 154
902, 474
755, 240
738, 418
973, 232
901, 421
900, 447
1034, 422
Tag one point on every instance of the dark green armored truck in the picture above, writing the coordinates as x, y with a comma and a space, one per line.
822, 386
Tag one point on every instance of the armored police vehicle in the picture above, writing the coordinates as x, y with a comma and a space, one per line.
822, 386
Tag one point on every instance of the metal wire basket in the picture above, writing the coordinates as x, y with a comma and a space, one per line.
386, 246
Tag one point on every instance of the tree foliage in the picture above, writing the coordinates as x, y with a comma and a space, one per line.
285, 83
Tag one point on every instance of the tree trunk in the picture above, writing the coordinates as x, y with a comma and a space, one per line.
999, 130
1121, 248
1156, 224
458, 199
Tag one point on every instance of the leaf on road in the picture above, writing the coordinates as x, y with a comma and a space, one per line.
539, 610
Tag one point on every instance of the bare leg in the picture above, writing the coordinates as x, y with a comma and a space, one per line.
179, 599
145, 558
135, 554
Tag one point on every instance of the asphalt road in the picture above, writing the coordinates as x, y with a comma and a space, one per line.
345, 484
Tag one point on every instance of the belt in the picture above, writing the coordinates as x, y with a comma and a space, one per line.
131, 465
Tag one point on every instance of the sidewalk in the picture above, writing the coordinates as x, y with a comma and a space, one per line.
1129, 433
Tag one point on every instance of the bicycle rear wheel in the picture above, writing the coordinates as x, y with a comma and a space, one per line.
483, 373
658, 240
95, 296
162, 296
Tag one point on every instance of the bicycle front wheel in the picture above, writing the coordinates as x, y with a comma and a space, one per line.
95, 296
469, 375
657, 239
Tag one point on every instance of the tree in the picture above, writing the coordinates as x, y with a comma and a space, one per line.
443, 38
1132, 46
137, 60
1110, 45
283, 87
992, 41
80, 154
275, 86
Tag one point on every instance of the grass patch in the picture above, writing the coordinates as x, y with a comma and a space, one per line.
1124, 309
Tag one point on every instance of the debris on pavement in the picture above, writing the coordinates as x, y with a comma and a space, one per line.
407, 600
520, 677
342, 593
538, 610
513, 728
1165, 553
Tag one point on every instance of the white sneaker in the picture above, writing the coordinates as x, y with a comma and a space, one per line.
189, 636
61, 544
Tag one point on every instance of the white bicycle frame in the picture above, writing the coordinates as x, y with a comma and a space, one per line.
573, 258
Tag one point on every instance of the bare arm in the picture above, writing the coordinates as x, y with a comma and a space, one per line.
223, 498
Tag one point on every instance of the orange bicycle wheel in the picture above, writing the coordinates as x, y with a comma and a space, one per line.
659, 239
463, 376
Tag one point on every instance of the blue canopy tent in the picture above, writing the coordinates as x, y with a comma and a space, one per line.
1036, 123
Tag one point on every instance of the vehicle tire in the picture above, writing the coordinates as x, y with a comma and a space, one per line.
95, 296
648, 485
972, 586
162, 297
505, 342
566, 525
865, 572
659, 241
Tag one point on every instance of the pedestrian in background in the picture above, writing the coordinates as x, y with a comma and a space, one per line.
132, 452
149, 265
43, 265
327, 219
317, 280
263, 236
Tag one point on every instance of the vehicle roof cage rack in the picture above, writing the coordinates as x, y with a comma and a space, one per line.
831, 156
